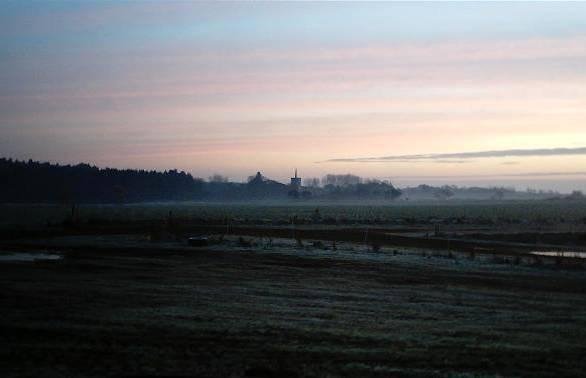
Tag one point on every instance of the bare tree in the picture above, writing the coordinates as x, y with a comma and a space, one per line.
217, 178
443, 193
341, 180
576, 195
311, 182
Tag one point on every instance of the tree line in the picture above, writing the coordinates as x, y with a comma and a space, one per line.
44, 182
31, 181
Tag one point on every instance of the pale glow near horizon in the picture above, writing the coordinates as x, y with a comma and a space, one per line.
238, 88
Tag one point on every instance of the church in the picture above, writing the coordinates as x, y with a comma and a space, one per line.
295, 182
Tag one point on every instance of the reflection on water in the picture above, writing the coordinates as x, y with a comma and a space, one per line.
581, 255
6, 256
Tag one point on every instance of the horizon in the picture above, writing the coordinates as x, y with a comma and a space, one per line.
398, 182
468, 94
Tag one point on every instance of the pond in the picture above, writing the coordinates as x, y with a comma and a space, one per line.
580, 255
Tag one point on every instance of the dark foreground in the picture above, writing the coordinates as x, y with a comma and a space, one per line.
284, 313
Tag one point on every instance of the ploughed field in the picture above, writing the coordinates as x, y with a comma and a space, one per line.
276, 308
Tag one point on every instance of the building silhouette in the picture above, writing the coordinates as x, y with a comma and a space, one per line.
295, 182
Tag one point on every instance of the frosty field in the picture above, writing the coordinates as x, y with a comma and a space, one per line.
284, 310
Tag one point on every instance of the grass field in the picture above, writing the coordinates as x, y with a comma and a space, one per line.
286, 312
484, 212
130, 297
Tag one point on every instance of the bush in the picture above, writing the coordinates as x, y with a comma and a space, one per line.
244, 242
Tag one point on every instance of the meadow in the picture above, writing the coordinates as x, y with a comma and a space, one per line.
163, 309
102, 290
283, 212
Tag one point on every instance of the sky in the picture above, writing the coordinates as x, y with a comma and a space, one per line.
441, 93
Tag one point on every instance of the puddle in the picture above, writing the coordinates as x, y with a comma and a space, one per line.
580, 255
7, 256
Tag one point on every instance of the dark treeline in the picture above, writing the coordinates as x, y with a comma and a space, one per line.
44, 182
30, 181
371, 189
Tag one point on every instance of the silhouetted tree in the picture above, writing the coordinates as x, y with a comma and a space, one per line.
311, 182
218, 178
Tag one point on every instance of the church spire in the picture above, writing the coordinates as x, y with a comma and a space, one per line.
296, 181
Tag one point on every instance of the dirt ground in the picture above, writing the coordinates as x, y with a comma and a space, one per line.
281, 310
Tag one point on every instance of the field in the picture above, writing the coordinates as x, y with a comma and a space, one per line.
286, 311
571, 213
255, 302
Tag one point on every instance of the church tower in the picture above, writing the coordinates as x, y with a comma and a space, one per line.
295, 182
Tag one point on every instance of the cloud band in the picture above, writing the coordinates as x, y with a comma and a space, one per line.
465, 155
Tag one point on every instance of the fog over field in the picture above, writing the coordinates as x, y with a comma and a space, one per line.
292, 189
